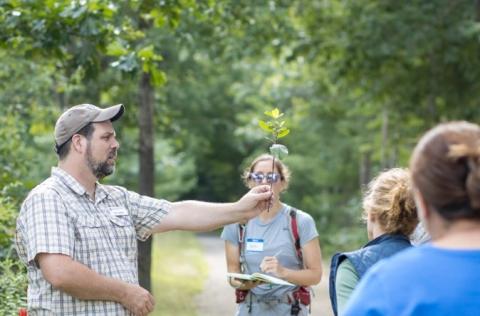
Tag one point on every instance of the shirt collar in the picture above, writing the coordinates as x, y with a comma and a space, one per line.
68, 180
75, 186
100, 192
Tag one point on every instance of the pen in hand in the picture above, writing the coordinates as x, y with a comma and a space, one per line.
277, 253
269, 258
267, 262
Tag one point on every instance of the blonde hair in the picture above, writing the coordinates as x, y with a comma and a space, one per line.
389, 199
280, 166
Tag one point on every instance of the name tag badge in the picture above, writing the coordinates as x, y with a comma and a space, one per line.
254, 244
118, 211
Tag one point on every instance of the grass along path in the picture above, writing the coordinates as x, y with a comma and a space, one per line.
178, 273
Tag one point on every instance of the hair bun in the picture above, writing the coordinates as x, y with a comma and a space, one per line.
459, 151
472, 182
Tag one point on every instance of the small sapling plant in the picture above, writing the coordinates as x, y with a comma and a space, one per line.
275, 127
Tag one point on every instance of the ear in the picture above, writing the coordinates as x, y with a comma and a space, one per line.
79, 143
283, 181
283, 188
371, 217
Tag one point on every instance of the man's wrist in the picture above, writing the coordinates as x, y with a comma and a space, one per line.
237, 211
120, 291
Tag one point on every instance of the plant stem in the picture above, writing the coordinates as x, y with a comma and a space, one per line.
273, 169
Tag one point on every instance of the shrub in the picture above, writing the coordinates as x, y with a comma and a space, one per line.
13, 277
13, 286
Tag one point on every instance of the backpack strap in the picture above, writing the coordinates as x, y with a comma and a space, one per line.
241, 295
295, 234
303, 293
242, 228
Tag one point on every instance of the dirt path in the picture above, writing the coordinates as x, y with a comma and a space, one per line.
217, 299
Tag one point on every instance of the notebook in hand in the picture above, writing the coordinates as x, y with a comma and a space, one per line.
259, 277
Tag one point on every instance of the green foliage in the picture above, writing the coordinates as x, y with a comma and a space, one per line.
359, 81
13, 280
279, 151
23, 162
13, 286
175, 172
275, 126
8, 215
19, 146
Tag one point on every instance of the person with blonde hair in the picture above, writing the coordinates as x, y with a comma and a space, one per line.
282, 242
441, 277
391, 216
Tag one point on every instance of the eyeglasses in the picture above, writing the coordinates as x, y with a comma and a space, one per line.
258, 177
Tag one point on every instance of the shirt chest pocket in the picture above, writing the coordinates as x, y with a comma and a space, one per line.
105, 233
122, 226
90, 235
124, 233
119, 221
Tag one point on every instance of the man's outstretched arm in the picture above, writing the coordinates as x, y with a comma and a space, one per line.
204, 216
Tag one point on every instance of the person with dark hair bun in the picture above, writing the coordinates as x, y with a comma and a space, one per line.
391, 216
441, 277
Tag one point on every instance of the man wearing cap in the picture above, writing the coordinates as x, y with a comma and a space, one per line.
78, 237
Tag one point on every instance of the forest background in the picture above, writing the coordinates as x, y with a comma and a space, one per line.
358, 80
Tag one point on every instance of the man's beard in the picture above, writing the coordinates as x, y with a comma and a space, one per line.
100, 169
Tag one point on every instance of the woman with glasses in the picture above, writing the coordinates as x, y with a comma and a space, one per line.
266, 244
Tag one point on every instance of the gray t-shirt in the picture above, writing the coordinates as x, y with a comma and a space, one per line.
271, 238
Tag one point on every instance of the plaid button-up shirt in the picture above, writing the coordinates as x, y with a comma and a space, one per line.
59, 217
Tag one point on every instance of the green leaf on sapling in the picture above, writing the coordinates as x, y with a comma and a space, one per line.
283, 132
279, 151
265, 126
275, 113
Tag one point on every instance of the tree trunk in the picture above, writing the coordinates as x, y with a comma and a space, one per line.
477, 9
384, 148
365, 168
147, 170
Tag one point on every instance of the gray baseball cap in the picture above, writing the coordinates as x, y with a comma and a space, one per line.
78, 116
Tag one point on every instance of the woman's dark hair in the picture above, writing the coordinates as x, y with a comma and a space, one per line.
445, 168
64, 149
